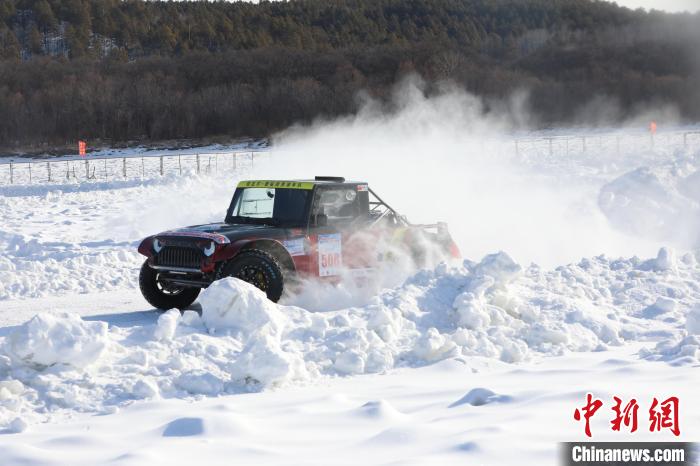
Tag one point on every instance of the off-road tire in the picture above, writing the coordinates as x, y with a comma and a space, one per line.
269, 274
156, 297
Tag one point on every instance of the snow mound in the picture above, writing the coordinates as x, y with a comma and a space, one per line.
233, 304
665, 260
677, 351
49, 339
480, 397
243, 342
380, 410
682, 348
660, 201
499, 266
32, 268
184, 427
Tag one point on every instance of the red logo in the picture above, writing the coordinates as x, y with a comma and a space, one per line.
662, 415
666, 416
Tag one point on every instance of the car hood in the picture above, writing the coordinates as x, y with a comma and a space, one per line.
222, 232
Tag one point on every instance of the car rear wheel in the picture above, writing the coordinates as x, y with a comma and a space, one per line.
163, 296
258, 268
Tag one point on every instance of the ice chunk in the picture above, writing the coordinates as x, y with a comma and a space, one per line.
191, 319
692, 321
264, 362
471, 311
231, 303
666, 259
146, 388
661, 306
12, 387
199, 382
500, 266
167, 325
350, 362
433, 346
17, 426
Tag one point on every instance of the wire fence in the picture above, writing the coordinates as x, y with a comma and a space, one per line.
616, 143
124, 168
147, 166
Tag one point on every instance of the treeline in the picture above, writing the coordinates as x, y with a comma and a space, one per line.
123, 70
137, 28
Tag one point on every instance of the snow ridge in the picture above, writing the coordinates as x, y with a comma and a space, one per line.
58, 363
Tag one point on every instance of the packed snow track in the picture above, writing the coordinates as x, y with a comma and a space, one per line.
436, 365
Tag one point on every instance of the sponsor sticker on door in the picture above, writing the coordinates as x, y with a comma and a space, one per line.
330, 259
295, 246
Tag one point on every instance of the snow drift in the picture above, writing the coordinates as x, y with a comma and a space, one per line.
660, 201
493, 309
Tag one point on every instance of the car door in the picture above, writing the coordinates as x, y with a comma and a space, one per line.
335, 213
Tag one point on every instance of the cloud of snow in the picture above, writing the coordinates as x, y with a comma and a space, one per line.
447, 155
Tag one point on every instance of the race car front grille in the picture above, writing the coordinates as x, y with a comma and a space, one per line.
179, 256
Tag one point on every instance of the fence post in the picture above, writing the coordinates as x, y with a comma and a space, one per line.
179, 164
30, 172
124, 166
143, 169
12, 179
161, 165
252, 160
67, 170
197, 156
105, 169
233, 161
87, 170
584, 144
48, 170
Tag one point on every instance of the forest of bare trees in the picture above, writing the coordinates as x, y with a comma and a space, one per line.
114, 70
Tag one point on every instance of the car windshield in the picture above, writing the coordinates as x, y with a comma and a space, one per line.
269, 206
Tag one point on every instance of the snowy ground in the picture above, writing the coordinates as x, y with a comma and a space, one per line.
411, 416
482, 361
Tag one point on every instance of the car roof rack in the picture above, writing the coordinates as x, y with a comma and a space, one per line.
335, 179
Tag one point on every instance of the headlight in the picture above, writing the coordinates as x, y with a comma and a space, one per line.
157, 245
209, 250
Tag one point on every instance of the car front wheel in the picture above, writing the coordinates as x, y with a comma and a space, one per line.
258, 268
162, 296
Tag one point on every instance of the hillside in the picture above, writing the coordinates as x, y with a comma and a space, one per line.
122, 70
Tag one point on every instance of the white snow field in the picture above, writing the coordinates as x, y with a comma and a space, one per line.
580, 275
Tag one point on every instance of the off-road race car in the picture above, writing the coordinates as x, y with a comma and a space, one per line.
277, 233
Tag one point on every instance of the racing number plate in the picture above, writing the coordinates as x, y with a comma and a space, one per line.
330, 259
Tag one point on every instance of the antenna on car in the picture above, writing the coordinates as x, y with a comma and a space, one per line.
335, 179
